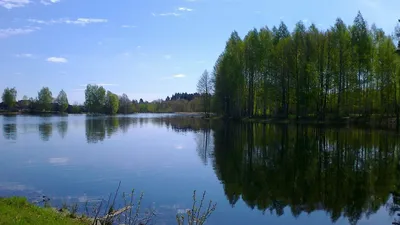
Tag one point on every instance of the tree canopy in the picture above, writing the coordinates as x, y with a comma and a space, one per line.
95, 98
343, 71
45, 98
9, 97
112, 103
62, 101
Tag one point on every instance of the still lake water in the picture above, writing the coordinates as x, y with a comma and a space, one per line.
258, 174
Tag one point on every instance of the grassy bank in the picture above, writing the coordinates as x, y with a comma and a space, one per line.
17, 210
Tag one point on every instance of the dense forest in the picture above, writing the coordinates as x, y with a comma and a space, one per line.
347, 70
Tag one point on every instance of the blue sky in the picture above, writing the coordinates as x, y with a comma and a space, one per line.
145, 48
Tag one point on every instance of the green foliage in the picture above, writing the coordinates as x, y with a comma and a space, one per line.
62, 101
95, 98
9, 97
112, 103
343, 71
195, 216
19, 211
45, 98
125, 105
204, 88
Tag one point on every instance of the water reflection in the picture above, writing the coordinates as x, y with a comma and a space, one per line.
349, 173
279, 170
204, 144
98, 128
10, 127
45, 131
62, 128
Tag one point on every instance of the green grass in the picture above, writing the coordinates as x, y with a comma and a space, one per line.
19, 211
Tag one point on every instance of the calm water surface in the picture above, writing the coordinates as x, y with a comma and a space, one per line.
258, 174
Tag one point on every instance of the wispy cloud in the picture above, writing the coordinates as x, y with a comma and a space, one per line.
184, 9
128, 26
166, 14
24, 55
179, 75
167, 57
4, 33
57, 60
49, 2
9, 4
127, 54
175, 76
79, 21
176, 12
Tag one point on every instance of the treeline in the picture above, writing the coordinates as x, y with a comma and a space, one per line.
343, 71
98, 101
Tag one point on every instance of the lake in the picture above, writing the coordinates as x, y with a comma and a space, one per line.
257, 173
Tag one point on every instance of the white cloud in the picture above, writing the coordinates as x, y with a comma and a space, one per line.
167, 14
9, 4
184, 9
179, 75
24, 55
167, 56
79, 21
128, 26
175, 76
57, 60
4, 33
49, 2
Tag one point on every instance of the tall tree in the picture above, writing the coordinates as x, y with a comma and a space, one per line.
62, 101
204, 87
95, 98
45, 98
125, 105
112, 103
9, 97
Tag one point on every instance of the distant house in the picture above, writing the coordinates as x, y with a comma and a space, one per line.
3, 106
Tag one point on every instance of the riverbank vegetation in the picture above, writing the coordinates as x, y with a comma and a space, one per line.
97, 101
344, 71
17, 210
